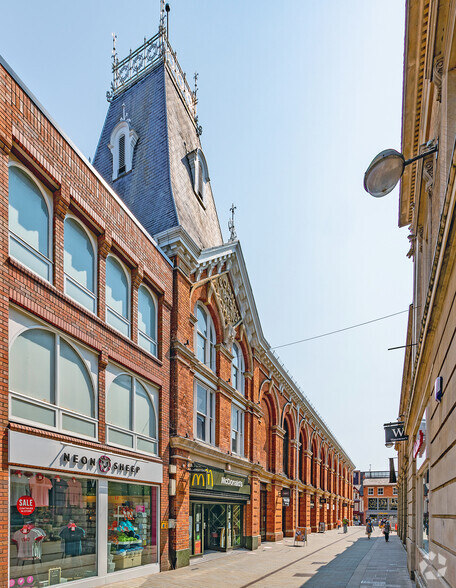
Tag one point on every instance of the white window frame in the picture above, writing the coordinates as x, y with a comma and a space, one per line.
48, 201
395, 491
19, 324
370, 491
240, 369
210, 339
68, 278
131, 138
238, 433
379, 491
210, 418
112, 372
154, 340
125, 320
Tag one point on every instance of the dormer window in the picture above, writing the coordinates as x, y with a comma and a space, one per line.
200, 174
122, 145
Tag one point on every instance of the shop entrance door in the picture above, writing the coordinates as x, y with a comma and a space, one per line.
215, 517
197, 529
263, 513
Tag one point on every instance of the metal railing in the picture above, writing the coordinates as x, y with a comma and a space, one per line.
133, 67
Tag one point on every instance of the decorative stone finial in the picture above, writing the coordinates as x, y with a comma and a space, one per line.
231, 227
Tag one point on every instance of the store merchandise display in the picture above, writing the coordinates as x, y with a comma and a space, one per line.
53, 528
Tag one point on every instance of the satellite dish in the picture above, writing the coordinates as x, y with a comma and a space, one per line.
384, 172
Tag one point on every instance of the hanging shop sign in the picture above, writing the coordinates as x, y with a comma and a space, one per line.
31, 450
285, 493
285, 501
394, 432
204, 477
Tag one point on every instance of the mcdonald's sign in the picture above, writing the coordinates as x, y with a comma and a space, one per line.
202, 479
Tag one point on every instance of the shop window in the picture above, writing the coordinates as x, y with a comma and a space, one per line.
379, 491
29, 222
79, 264
132, 526
50, 384
147, 320
370, 491
237, 369
131, 415
237, 430
117, 296
372, 503
54, 541
424, 532
205, 414
205, 337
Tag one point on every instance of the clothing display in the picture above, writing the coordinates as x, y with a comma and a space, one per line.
25, 539
73, 493
19, 487
72, 535
39, 489
57, 495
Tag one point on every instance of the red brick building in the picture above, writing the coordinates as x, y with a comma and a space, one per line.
146, 419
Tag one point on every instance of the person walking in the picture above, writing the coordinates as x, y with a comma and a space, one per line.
387, 529
345, 524
369, 528
339, 523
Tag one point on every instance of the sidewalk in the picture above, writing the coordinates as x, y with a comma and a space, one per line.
330, 560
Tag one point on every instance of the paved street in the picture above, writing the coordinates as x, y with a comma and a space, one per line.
330, 560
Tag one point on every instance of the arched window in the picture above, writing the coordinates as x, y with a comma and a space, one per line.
322, 472
29, 222
286, 444
117, 296
237, 369
79, 264
50, 383
205, 337
122, 146
312, 470
131, 415
237, 429
147, 320
301, 458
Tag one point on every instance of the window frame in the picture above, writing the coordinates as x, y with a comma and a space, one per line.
370, 491
131, 138
155, 405
126, 321
236, 408
380, 492
48, 261
145, 335
67, 277
210, 419
58, 410
240, 369
395, 491
210, 339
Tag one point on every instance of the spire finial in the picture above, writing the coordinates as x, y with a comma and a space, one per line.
114, 51
162, 16
195, 91
231, 228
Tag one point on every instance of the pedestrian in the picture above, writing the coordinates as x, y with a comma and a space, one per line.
387, 529
339, 523
369, 528
345, 524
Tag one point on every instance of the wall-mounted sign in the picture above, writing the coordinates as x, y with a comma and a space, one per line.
204, 477
285, 493
394, 432
285, 501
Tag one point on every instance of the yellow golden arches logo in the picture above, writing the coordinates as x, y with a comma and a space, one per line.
203, 479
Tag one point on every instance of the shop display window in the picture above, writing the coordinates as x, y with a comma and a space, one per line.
132, 526
425, 512
52, 528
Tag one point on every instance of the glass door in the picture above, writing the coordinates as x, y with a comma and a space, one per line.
236, 536
216, 523
197, 531
263, 512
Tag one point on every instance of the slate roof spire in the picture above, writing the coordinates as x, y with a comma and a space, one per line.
168, 185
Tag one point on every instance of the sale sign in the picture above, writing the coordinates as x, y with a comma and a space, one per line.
25, 505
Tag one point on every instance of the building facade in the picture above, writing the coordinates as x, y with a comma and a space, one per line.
145, 418
380, 500
427, 521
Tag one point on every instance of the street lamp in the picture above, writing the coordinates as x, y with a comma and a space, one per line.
386, 170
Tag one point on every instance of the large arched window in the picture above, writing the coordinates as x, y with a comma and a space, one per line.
79, 264
286, 445
301, 457
237, 369
50, 383
29, 222
117, 296
147, 320
205, 337
130, 414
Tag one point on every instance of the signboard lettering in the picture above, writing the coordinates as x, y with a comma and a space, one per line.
394, 432
104, 463
204, 477
25, 505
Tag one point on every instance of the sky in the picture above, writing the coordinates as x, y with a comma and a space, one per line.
295, 99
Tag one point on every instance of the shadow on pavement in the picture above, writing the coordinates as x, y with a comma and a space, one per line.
338, 572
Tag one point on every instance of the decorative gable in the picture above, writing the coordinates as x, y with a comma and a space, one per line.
122, 145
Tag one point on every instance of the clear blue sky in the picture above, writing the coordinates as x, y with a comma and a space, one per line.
295, 99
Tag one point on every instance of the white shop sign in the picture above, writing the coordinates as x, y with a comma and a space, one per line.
30, 450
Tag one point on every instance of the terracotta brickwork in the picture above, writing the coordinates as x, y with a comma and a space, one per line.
27, 136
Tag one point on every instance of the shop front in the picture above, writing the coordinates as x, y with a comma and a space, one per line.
216, 518
79, 515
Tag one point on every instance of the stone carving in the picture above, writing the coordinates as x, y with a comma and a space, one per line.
437, 76
226, 300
